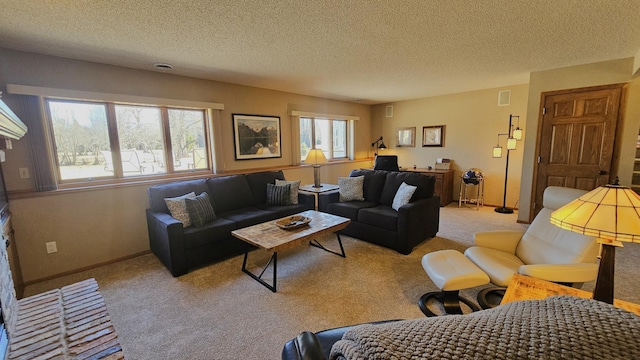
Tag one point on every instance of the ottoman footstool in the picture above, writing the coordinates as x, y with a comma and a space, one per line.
451, 272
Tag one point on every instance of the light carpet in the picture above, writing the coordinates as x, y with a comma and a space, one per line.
218, 312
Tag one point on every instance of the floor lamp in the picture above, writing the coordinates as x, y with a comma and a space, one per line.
512, 137
611, 213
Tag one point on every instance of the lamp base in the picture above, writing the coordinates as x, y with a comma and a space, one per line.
603, 290
316, 176
504, 210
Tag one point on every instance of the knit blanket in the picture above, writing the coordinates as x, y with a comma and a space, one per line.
560, 327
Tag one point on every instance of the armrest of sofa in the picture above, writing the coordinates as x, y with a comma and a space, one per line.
417, 221
304, 347
309, 200
327, 198
561, 273
503, 240
166, 239
312, 346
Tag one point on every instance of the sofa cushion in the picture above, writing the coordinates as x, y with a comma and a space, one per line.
208, 233
373, 183
381, 216
278, 194
158, 193
200, 209
230, 193
348, 209
178, 208
403, 195
295, 186
351, 188
258, 184
248, 216
425, 186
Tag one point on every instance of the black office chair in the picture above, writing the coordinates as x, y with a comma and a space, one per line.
386, 162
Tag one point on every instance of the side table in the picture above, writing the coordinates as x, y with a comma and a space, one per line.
323, 188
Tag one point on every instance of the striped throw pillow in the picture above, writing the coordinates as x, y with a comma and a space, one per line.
200, 209
278, 194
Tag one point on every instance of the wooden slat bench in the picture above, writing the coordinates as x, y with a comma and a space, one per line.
67, 323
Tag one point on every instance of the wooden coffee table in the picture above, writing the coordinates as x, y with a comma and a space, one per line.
270, 237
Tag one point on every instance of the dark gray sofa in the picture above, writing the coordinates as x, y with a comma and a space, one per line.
238, 201
374, 220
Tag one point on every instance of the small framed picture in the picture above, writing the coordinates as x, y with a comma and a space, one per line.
433, 135
256, 136
406, 137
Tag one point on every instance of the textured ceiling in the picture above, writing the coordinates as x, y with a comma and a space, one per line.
365, 50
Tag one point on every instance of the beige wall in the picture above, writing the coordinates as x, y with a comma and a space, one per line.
603, 73
472, 122
97, 226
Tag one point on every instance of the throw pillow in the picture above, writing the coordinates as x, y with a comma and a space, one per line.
200, 209
295, 186
278, 194
178, 208
351, 188
403, 195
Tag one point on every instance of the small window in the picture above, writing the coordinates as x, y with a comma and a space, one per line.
328, 135
188, 142
81, 138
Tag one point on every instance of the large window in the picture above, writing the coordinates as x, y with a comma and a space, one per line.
96, 140
329, 135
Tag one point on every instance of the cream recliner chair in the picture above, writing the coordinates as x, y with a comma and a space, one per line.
544, 251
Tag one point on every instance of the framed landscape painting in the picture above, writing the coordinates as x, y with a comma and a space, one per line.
256, 136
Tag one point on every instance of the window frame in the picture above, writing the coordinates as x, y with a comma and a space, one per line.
118, 176
347, 136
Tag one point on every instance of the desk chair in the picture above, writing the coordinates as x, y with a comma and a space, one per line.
386, 162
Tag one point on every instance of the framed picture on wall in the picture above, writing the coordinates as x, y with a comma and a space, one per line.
406, 137
433, 135
256, 136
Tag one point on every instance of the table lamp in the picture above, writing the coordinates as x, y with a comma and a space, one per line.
611, 213
316, 157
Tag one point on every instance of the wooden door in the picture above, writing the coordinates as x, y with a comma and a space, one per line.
576, 139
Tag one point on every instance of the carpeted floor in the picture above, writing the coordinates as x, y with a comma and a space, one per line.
217, 312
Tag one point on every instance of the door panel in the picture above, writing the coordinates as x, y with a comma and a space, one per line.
577, 133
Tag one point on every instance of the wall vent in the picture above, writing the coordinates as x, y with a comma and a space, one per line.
504, 97
389, 110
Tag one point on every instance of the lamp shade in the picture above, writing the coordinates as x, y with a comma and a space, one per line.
497, 151
511, 143
315, 157
610, 213
517, 134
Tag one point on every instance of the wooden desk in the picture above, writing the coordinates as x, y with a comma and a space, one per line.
444, 183
527, 288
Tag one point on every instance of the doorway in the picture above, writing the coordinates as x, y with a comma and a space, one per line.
576, 142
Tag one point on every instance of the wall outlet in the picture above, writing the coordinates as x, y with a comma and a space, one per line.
52, 247
24, 173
